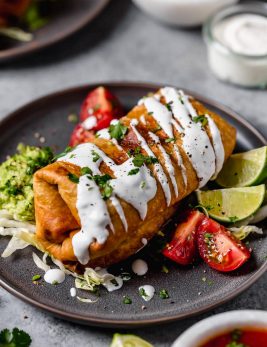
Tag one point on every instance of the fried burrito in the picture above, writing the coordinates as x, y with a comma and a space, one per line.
101, 202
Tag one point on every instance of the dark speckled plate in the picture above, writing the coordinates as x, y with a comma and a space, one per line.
189, 294
73, 15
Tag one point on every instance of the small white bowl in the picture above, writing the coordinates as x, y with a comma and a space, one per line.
186, 13
208, 328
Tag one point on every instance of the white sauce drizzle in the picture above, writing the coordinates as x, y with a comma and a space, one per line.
139, 267
168, 162
196, 142
160, 113
119, 209
148, 290
217, 145
73, 292
54, 276
89, 200
158, 170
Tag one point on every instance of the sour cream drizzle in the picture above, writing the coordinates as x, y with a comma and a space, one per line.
217, 145
168, 162
158, 170
195, 140
94, 224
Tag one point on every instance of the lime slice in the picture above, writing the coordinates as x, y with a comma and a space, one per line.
244, 169
233, 204
125, 340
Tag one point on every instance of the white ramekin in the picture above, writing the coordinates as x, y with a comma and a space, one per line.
221, 323
186, 13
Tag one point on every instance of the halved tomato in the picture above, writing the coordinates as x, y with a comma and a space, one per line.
103, 105
183, 247
219, 248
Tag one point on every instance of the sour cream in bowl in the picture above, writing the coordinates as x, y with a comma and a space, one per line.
236, 39
233, 325
185, 13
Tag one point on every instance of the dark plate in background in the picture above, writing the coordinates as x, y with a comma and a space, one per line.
189, 294
73, 15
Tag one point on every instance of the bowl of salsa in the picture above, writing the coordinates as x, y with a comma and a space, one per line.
243, 328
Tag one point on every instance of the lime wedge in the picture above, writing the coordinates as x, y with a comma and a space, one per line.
244, 169
233, 204
125, 340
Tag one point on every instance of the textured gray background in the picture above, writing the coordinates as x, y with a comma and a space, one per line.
121, 44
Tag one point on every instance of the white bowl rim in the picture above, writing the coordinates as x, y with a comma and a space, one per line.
220, 323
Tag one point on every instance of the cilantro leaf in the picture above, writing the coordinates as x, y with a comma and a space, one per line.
141, 159
133, 172
117, 131
16, 338
96, 156
73, 178
202, 119
86, 171
66, 151
164, 294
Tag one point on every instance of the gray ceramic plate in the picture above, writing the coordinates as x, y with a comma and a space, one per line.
73, 15
48, 116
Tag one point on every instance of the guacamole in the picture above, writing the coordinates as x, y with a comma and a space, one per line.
16, 180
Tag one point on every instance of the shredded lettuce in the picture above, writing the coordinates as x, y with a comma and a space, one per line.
242, 232
40, 263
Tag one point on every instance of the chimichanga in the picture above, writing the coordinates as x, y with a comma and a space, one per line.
102, 201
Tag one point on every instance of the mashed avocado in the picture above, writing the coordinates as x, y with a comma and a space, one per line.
16, 178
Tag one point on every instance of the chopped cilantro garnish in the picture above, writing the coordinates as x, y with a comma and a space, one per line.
36, 277
127, 300
141, 159
66, 151
133, 172
165, 269
142, 292
86, 171
14, 338
107, 191
102, 182
164, 294
202, 119
170, 139
168, 105
117, 131
96, 156
73, 178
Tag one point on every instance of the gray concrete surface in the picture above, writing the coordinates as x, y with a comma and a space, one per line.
121, 44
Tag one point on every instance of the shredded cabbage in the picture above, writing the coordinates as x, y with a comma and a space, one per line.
242, 232
40, 263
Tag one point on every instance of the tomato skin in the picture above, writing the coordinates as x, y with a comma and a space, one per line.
81, 135
183, 247
103, 105
219, 248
